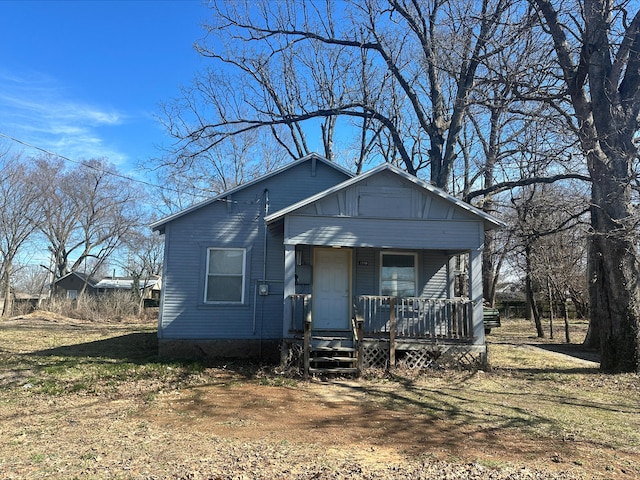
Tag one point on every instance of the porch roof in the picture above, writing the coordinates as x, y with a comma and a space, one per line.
489, 221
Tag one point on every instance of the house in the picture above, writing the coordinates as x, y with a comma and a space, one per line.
71, 284
324, 268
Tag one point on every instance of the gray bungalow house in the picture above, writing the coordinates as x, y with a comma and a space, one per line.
329, 270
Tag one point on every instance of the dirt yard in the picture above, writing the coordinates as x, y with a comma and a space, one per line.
92, 401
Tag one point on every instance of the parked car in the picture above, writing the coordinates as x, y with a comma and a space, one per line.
491, 318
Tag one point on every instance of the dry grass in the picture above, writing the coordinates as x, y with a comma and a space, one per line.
82, 399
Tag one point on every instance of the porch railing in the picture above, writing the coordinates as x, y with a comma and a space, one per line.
413, 317
399, 317
300, 311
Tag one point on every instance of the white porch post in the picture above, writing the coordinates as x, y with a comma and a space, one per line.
451, 277
475, 294
289, 286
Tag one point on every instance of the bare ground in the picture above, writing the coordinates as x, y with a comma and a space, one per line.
237, 421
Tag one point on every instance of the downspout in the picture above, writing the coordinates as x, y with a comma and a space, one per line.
264, 246
264, 265
264, 271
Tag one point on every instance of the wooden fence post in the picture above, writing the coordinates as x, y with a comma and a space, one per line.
307, 341
360, 333
392, 332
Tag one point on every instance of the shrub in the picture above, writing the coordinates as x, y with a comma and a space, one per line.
113, 306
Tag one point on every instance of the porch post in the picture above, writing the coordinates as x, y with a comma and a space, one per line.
475, 294
451, 277
289, 286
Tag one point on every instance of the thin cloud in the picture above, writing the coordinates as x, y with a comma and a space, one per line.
35, 109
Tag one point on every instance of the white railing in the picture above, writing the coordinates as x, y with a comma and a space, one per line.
413, 317
300, 311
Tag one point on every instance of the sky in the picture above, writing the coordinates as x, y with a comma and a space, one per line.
85, 79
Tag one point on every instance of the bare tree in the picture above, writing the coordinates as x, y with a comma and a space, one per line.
30, 278
87, 212
402, 70
19, 216
218, 169
598, 54
550, 243
144, 256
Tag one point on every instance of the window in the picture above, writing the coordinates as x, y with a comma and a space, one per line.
72, 294
225, 275
398, 275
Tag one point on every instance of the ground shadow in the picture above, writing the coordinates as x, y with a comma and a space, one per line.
141, 348
138, 347
572, 350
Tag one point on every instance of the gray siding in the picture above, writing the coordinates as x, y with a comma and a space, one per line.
384, 233
434, 275
387, 196
384, 211
236, 222
432, 272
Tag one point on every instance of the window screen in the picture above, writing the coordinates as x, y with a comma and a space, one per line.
398, 276
225, 275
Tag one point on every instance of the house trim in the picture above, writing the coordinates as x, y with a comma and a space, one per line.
490, 222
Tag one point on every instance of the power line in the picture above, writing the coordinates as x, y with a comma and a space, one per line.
101, 170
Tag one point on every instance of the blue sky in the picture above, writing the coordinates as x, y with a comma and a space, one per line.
84, 79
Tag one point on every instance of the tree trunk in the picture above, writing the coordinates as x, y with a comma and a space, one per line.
488, 269
614, 289
531, 302
565, 314
607, 117
6, 283
551, 311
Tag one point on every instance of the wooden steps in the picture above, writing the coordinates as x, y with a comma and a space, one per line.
335, 354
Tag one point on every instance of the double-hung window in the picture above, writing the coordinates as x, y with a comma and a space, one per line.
225, 275
398, 274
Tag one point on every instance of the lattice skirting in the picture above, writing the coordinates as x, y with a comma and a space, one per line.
412, 356
375, 355
419, 356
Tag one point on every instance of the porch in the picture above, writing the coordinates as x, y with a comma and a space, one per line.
386, 331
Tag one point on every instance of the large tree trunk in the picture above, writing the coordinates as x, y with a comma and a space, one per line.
607, 120
614, 269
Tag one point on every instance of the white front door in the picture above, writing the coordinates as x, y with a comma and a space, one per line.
331, 288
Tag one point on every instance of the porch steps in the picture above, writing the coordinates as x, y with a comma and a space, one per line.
332, 355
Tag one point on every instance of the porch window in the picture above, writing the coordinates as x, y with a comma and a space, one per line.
398, 275
225, 275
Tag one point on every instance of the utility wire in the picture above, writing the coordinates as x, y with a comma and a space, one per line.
101, 170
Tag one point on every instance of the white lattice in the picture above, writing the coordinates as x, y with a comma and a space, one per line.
416, 359
375, 356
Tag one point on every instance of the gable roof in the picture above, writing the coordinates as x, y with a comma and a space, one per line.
157, 226
82, 276
490, 221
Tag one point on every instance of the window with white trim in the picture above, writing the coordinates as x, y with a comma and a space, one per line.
398, 274
225, 275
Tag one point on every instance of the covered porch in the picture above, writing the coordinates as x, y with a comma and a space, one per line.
368, 329
373, 275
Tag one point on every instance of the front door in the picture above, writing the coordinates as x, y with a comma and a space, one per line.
331, 288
